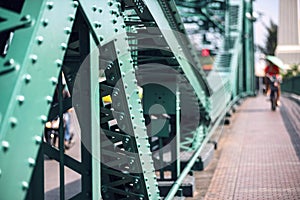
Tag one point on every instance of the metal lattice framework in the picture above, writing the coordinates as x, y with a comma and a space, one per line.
137, 145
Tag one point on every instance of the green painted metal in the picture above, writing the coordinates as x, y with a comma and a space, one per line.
291, 85
249, 47
132, 44
34, 68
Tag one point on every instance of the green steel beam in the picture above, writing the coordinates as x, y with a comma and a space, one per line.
26, 92
249, 47
111, 32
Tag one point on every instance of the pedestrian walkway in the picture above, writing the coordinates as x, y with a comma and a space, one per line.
260, 154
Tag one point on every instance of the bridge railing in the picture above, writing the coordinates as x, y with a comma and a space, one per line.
291, 85
134, 146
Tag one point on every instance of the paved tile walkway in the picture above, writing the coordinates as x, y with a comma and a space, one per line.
259, 157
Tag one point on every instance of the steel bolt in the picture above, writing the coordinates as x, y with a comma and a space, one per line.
49, 99
75, 4
110, 3
53, 80
27, 78
116, 92
39, 39
71, 17
114, 21
31, 162
50, 5
94, 8
33, 58
20, 99
38, 139
10, 62
26, 18
100, 10
63, 46
97, 24
25, 185
13, 121
44, 118
5, 145
67, 30
58, 62
45, 22
101, 38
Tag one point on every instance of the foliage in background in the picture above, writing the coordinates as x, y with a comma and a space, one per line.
293, 71
271, 39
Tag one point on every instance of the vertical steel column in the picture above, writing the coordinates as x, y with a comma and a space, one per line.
177, 131
95, 119
249, 47
61, 140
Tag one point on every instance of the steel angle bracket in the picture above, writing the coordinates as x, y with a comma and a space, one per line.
26, 92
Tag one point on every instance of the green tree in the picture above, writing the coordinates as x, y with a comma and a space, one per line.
271, 39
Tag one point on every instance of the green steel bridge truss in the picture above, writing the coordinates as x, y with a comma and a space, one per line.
116, 49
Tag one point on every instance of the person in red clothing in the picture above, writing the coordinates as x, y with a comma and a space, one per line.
271, 70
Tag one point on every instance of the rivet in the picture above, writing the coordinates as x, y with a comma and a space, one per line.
58, 62
39, 39
20, 99
50, 5
63, 46
53, 80
10, 62
33, 58
27, 78
118, 52
114, 21
44, 118
75, 4
118, 4
25, 185
5, 145
101, 38
38, 139
113, 12
25, 18
71, 17
67, 30
31, 162
97, 24
123, 26
13, 121
45, 22
0, 172
116, 30
110, 3
49, 99
121, 63
100, 10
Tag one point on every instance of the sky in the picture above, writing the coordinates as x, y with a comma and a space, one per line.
269, 10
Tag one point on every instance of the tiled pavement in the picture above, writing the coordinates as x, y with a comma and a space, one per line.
259, 156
